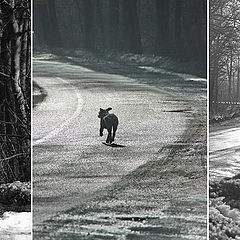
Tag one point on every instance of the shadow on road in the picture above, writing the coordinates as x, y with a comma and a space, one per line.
114, 145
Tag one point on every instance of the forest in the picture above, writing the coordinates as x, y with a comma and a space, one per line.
175, 28
224, 52
15, 89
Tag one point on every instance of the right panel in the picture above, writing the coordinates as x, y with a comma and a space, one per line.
224, 100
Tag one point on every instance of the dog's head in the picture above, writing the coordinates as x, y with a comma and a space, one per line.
103, 112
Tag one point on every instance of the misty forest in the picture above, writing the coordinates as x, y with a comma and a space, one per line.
224, 57
175, 28
15, 91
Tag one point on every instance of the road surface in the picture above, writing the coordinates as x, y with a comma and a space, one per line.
225, 151
74, 170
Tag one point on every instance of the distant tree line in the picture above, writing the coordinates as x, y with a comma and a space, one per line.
15, 90
224, 51
162, 27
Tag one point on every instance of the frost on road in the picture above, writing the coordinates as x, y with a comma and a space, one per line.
224, 167
224, 153
152, 188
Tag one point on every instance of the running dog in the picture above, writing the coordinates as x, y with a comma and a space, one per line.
108, 121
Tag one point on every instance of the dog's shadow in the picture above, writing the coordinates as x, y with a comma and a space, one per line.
114, 145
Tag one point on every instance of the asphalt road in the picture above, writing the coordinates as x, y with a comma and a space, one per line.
72, 166
225, 151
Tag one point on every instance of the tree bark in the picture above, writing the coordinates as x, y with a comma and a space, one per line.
101, 43
55, 37
89, 27
132, 28
23, 57
178, 27
238, 78
6, 45
230, 77
114, 24
162, 27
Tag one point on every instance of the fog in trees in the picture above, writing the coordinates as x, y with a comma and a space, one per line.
224, 53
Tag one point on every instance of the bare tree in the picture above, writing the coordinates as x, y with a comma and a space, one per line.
15, 97
224, 51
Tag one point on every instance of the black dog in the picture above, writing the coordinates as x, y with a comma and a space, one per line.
108, 121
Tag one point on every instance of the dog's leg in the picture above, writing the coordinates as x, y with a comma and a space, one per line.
109, 136
114, 133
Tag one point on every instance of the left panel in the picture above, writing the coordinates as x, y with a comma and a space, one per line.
15, 119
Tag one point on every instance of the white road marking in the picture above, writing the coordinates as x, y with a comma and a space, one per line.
57, 130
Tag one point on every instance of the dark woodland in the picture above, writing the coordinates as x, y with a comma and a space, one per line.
15, 90
174, 28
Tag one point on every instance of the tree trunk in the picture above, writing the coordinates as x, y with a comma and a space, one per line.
15, 69
230, 77
114, 24
178, 27
23, 58
162, 27
101, 43
8, 98
42, 30
131, 26
238, 79
89, 27
55, 37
